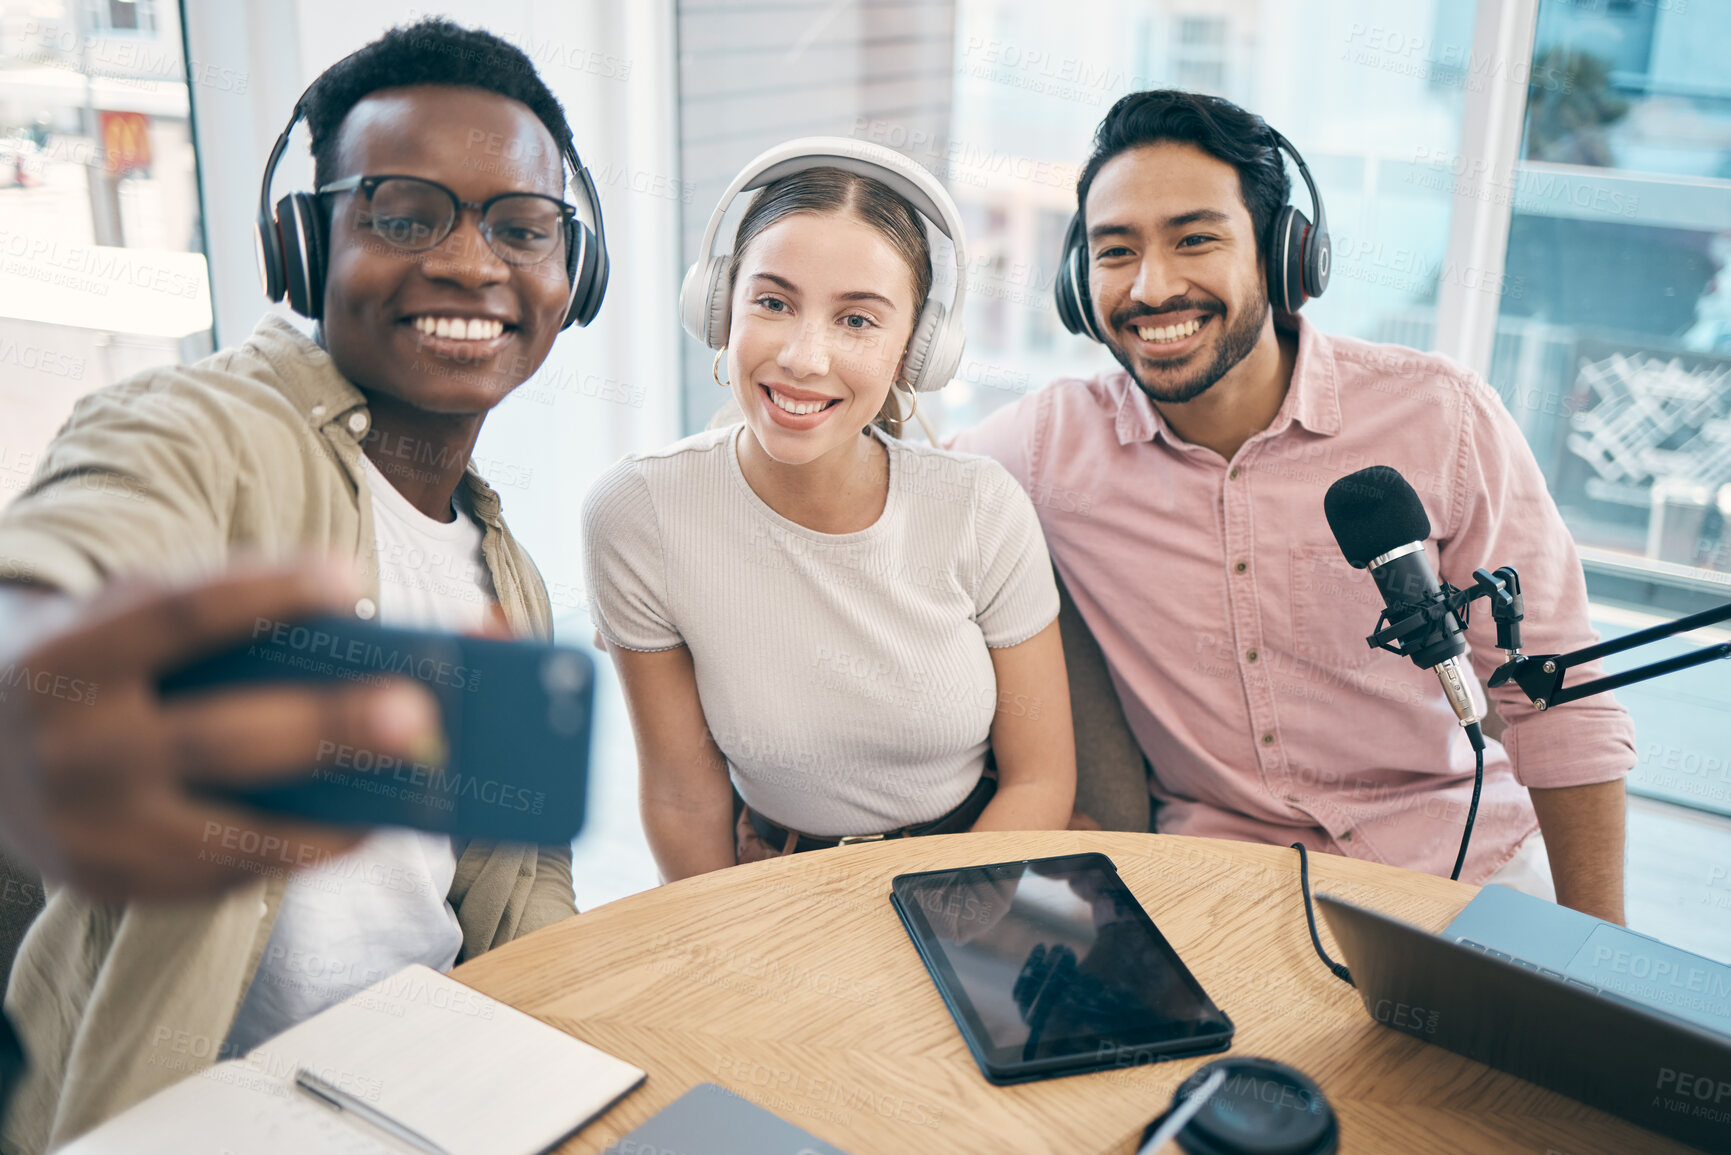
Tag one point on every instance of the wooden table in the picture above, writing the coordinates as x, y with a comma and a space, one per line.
793, 983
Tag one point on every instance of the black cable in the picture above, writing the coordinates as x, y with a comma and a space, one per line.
1477, 738
1339, 969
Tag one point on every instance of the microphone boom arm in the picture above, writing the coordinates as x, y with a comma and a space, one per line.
1540, 676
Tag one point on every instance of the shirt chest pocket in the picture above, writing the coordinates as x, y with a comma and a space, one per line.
1333, 607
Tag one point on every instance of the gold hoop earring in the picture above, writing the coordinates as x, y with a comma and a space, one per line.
913, 402
715, 368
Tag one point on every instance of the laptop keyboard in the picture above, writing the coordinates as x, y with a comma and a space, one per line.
1529, 965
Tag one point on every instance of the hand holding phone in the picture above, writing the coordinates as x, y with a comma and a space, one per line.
514, 757
100, 777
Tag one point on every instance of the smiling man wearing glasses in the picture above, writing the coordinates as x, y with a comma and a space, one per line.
172, 512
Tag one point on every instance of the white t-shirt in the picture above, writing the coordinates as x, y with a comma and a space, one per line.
349, 922
846, 677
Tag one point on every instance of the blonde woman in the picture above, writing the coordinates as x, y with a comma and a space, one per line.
855, 632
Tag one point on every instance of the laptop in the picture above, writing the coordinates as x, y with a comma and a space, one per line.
1614, 960
711, 1120
1654, 1069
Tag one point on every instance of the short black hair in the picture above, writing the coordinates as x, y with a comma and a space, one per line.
1216, 126
432, 51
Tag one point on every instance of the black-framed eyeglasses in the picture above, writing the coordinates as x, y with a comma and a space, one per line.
415, 214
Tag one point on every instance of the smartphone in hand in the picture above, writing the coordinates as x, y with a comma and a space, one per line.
516, 718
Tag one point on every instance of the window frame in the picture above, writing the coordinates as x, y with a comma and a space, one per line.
1493, 120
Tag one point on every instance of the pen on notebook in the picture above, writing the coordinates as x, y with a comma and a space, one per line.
341, 1100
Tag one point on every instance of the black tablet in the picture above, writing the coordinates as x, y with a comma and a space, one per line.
1051, 967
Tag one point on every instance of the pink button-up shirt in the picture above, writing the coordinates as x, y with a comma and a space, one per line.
1234, 629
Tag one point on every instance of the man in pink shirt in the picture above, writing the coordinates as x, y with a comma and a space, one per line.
1182, 502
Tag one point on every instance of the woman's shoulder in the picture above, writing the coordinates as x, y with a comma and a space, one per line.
923, 454
699, 455
638, 488
704, 450
949, 472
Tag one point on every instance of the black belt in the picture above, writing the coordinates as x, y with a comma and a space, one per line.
955, 822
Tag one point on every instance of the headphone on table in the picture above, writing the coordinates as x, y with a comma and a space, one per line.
1246, 1106
935, 350
291, 242
1298, 255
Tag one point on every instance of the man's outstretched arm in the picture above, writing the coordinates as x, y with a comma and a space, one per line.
98, 775
1583, 829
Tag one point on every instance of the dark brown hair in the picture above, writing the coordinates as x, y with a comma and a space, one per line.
1211, 123
833, 190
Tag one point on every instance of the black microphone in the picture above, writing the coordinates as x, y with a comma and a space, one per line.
1381, 525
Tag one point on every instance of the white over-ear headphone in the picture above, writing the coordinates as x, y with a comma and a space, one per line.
935, 352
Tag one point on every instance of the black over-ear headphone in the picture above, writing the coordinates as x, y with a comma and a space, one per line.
1297, 251
291, 242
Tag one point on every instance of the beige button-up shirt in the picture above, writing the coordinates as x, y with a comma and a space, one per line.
254, 451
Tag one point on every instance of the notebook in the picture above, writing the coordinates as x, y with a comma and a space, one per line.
465, 1071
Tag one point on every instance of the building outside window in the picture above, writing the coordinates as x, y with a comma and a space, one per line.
1615, 353
1199, 59
123, 15
102, 267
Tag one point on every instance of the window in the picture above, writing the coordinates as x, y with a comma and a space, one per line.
1622, 234
124, 16
99, 213
1199, 56
1613, 347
